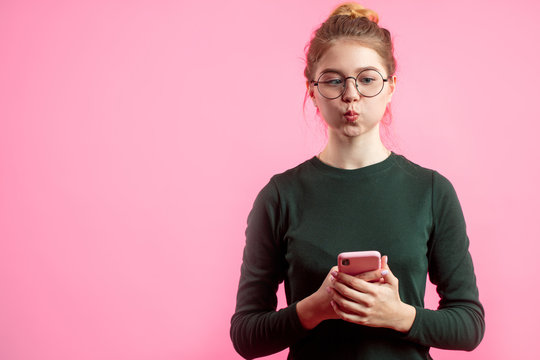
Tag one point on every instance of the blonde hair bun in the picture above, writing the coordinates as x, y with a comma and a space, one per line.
355, 10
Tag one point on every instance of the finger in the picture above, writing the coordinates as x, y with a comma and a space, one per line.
345, 281
385, 262
347, 316
346, 305
349, 307
374, 275
341, 291
384, 268
387, 274
356, 303
332, 273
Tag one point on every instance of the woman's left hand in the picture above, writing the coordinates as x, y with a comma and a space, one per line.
371, 304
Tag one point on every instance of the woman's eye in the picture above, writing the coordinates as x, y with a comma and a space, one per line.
366, 80
334, 81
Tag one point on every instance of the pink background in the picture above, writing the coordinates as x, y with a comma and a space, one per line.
135, 135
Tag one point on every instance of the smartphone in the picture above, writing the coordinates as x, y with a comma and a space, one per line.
357, 262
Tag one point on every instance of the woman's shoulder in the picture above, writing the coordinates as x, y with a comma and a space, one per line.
412, 168
294, 174
286, 180
437, 181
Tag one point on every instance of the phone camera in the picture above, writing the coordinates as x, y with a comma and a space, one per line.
345, 262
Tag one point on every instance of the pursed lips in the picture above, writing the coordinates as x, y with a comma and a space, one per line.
350, 116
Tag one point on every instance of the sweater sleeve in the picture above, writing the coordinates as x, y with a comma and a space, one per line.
458, 323
257, 329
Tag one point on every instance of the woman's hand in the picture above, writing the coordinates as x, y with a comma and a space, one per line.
377, 304
316, 307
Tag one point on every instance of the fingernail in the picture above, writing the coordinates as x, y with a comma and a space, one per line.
328, 290
334, 273
384, 272
332, 278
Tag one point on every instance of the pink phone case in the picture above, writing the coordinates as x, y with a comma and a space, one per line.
357, 262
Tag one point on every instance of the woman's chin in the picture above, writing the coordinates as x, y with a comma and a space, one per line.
355, 129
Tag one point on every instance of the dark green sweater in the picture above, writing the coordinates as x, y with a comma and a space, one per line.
304, 217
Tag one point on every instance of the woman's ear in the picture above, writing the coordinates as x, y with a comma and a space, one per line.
392, 85
311, 93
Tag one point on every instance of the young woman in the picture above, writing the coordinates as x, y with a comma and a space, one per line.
355, 195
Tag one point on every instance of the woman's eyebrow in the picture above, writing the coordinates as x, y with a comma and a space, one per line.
358, 70
368, 68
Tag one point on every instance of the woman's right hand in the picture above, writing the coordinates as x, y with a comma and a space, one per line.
316, 308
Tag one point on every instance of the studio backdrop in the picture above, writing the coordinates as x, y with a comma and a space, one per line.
135, 135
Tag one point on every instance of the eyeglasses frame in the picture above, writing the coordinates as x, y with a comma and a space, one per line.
316, 83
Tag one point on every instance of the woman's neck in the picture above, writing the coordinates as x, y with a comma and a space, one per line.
353, 153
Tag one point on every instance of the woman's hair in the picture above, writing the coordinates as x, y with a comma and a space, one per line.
355, 22
350, 21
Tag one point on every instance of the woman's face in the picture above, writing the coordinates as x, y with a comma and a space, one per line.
349, 58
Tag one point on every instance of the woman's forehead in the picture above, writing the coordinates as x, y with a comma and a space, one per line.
349, 56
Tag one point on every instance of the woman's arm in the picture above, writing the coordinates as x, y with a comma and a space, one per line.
257, 329
458, 323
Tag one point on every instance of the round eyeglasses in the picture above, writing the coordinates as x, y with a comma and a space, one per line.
331, 84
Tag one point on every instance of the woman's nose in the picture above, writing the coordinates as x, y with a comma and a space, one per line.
351, 92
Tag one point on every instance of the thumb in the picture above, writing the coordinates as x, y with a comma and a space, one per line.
387, 274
